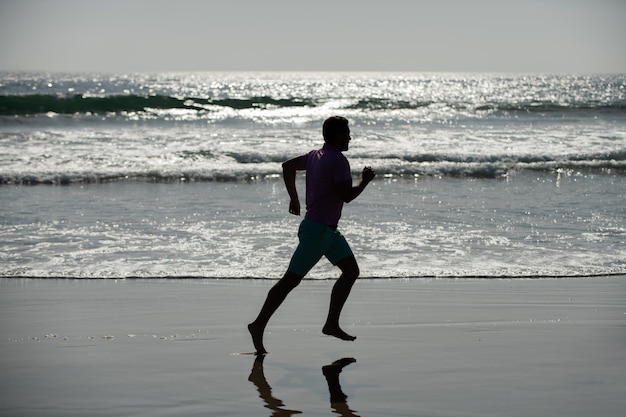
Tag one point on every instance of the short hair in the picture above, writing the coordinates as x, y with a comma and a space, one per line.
334, 125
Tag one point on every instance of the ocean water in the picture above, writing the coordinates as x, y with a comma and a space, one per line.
178, 174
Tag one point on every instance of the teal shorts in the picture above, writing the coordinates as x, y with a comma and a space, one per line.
317, 240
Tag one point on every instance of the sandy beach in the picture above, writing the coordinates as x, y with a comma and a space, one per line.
446, 347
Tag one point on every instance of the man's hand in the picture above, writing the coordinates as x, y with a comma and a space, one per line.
368, 174
294, 207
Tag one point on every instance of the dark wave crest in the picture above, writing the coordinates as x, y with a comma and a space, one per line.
21, 105
551, 107
34, 104
614, 156
388, 104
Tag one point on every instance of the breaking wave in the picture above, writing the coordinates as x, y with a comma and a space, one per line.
241, 166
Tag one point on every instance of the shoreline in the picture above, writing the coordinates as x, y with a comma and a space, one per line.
307, 278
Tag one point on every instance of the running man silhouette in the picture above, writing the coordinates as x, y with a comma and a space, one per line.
328, 187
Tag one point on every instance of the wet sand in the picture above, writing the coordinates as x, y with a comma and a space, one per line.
543, 347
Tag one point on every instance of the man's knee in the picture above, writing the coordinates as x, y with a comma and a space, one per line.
291, 280
349, 267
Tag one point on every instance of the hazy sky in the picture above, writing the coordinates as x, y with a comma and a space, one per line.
572, 36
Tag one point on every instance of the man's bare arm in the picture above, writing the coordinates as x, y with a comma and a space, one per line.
290, 168
348, 192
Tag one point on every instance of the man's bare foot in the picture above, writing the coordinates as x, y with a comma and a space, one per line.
336, 331
257, 338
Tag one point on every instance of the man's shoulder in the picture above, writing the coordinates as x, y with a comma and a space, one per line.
325, 153
326, 157
331, 153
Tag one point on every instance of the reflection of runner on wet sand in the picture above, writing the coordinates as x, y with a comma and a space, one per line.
337, 397
257, 377
331, 373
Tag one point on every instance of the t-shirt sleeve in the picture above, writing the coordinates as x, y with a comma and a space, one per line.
341, 171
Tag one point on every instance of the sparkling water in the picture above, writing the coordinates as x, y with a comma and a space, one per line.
178, 175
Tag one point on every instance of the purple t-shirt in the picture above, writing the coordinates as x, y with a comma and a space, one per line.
324, 168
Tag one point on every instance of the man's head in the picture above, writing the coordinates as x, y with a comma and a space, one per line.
336, 132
